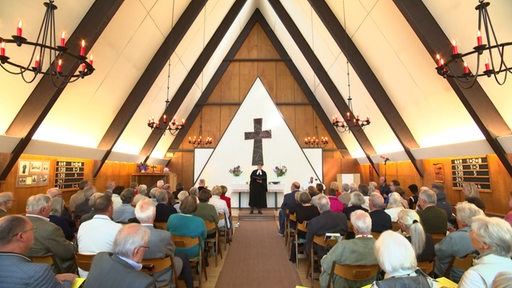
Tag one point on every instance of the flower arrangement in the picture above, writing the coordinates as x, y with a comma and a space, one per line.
280, 171
236, 171
142, 166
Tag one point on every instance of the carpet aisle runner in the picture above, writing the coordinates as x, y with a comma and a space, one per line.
258, 258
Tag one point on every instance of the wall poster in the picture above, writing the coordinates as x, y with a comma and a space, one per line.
32, 173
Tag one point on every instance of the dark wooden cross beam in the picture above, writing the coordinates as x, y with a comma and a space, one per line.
257, 135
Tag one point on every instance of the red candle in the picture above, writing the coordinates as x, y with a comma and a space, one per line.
182, 121
82, 48
165, 118
438, 57
2, 49
84, 67
59, 66
487, 66
348, 115
63, 39
368, 118
479, 38
149, 120
466, 68
90, 60
455, 50
19, 29
37, 62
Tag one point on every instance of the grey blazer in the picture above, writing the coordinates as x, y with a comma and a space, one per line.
108, 270
17, 271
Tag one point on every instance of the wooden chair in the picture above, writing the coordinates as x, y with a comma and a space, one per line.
395, 226
84, 261
437, 237
353, 272
460, 263
376, 235
322, 242
290, 232
151, 266
161, 225
303, 228
188, 242
48, 259
286, 225
426, 266
224, 232
213, 242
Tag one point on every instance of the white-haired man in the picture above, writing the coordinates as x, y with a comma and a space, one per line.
6, 200
122, 268
357, 251
16, 270
433, 219
49, 238
161, 245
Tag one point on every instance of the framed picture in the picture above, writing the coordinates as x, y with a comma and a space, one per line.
36, 166
32, 173
23, 167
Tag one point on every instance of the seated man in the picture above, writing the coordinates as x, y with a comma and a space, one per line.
433, 219
6, 200
161, 246
357, 251
122, 268
126, 211
326, 222
16, 270
289, 203
381, 221
49, 238
457, 243
163, 209
97, 235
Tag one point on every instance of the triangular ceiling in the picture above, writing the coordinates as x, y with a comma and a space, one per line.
395, 40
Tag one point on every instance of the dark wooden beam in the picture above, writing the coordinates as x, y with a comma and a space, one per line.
474, 99
323, 76
146, 80
369, 80
45, 94
194, 72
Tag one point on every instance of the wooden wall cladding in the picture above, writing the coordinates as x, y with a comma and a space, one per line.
496, 200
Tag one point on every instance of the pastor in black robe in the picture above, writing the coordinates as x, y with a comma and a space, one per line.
258, 189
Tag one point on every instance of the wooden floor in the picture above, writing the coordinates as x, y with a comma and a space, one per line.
213, 272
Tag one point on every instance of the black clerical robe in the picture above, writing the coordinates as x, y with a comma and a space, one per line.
258, 189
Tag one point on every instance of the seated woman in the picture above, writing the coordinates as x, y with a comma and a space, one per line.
57, 219
305, 211
356, 203
394, 205
397, 258
472, 195
457, 243
206, 211
336, 204
186, 224
492, 238
508, 217
422, 243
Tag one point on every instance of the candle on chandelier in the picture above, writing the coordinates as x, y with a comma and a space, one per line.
479, 38
165, 118
91, 59
348, 116
438, 57
487, 66
82, 48
455, 50
19, 30
59, 66
368, 118
2, 49
466, 68
63, 39
36, 64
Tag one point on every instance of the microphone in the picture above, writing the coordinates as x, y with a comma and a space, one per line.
384, 157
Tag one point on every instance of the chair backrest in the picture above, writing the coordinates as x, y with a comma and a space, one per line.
320, 240
161, 225
210, 225
460, 263
155, 265
84, 261
426, 266
48, 259
395, 226
302, 226
293, 217
185, 241
221, 215
437, 237
354, 272
375, 235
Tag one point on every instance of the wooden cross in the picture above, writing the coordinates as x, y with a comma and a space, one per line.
257, 135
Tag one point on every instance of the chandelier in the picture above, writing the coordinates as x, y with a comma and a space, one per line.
492, 50
174, 126
47, 58
350, 120
316, 142
200, 142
